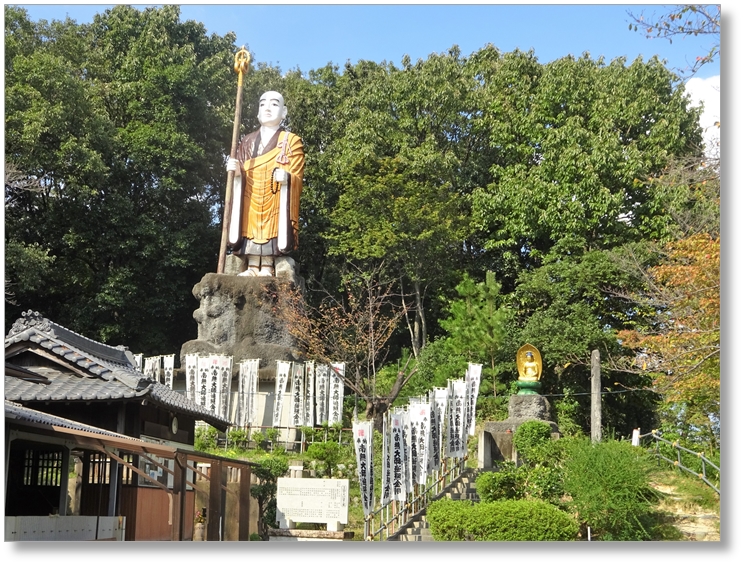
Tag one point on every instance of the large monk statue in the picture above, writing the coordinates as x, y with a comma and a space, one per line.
266, 192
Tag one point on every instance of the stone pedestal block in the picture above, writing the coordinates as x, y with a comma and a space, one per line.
529, 407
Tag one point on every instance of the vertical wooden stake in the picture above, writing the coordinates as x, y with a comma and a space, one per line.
596, 405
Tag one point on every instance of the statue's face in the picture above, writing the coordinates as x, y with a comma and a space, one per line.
271, 109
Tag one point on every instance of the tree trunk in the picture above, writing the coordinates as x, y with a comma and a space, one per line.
420, 317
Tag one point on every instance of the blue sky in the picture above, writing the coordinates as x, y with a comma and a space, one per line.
313, 35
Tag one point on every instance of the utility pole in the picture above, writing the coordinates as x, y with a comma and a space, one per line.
596, 431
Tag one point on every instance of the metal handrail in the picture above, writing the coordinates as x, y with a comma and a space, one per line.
678, 463
414, 504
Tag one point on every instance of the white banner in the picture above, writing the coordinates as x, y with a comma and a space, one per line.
214, 384
192, 367
336, 400
282, 376
420, 436
387, 462
405, 417
224, 404
204, 365
456, 417
398, 485
438, 400
297, 410
321, 390
309, 417
472, 379
365, 467
152, 367
138, 359
248, 392
168, 361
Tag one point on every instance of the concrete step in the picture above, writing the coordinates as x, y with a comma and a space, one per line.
411, 537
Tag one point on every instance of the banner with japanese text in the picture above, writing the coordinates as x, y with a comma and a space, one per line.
398, 484
321, 390
336, 400
362, 433
168, 362
204, 365
387, 461
472, 380
309, 418
420, 413
192, 366
248, 392
225, 377
297, 405
283, 369
456, 418
438, 399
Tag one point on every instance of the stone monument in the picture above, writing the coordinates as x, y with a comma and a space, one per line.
495, 442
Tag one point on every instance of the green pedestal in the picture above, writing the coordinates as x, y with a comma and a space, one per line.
528, 387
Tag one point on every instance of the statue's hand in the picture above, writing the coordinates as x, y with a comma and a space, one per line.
233, 165
280, 175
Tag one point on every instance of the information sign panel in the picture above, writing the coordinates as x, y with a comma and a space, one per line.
316, 501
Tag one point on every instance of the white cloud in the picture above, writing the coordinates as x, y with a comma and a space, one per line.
707, 91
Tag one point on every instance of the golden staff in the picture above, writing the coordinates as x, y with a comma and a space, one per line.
242, 61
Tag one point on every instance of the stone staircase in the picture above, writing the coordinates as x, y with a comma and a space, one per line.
417, 528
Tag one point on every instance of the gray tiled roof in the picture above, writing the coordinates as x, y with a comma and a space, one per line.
109, 372
19, 413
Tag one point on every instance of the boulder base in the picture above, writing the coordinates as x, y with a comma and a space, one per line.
237, 316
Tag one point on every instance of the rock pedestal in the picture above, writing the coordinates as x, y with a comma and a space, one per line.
495, 442
237, 317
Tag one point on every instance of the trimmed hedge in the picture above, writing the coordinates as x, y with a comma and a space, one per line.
506, 520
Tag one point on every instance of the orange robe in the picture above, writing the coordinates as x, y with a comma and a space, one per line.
260, 206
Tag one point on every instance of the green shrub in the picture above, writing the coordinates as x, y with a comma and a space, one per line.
529, 438
506, 520
205, 438
544, 482
237, 437
328, 453
505, 484
491, 408
608, 485
568, 414
267, 468
272, 434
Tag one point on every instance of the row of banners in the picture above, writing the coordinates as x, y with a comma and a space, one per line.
317, 391
416, 437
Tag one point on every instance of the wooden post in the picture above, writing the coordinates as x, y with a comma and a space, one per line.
596, 404
179, 497
216, 480
242, 60
244, 504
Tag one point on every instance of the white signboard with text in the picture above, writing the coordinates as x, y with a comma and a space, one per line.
316, 501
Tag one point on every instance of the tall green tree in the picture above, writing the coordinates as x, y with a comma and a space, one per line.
124, 122
400, 164
476, 326
577, 138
